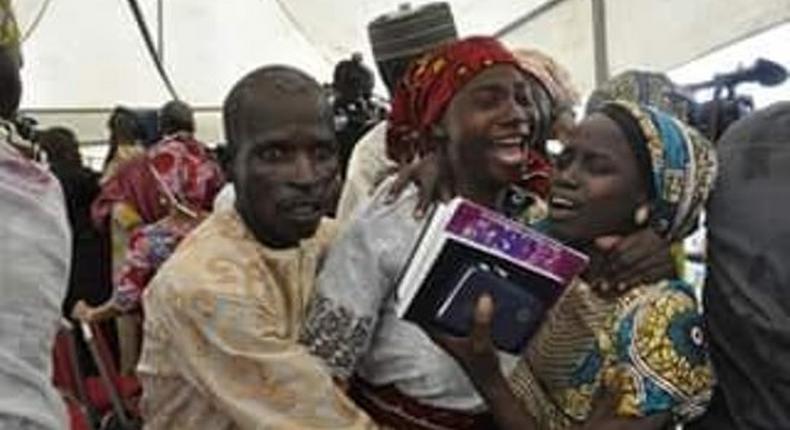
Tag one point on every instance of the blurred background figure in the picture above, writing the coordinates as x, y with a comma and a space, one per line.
90, 278
126, 139
90, 275
152, 202
356, 109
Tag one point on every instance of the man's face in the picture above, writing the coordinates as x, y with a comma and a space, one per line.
284, 167
488, 125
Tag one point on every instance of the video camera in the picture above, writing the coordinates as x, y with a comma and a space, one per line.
713, 117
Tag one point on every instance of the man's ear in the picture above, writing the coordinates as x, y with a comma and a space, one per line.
228, 162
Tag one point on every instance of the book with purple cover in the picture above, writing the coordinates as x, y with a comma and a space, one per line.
466, 250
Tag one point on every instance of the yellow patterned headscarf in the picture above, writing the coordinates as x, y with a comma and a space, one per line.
9, 31
682, 163
644, 88
551, 74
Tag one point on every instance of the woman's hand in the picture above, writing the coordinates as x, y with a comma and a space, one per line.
475, 353
83, 312
642, 257
430, 178
604, 416
480, 361
87, 313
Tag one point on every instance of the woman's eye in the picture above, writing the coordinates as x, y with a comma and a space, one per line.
525, 95
563, 158
271, 154
599, 166
487, 99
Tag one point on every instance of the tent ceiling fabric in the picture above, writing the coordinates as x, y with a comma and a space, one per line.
572, 47
662, 35
101, 61
647, 34
346, 31
78, 62
88, 53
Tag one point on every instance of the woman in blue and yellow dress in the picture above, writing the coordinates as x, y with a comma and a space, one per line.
625, 166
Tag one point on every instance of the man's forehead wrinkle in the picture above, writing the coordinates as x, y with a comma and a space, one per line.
276, 84
289, 84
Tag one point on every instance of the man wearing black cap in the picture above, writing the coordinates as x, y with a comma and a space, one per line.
397, 39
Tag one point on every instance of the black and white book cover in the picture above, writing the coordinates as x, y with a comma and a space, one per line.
466, 250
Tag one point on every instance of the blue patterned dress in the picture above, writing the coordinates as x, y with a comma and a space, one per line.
647, 348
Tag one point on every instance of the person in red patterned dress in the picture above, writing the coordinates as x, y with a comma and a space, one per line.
189, 178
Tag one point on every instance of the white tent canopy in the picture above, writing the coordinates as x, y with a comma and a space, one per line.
86, 56
641, 34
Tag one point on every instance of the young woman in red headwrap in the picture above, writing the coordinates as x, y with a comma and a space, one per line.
470, 102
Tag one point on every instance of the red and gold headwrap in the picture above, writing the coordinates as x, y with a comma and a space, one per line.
429, 85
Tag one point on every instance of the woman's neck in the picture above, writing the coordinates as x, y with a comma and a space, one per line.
596, 269
490, 197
